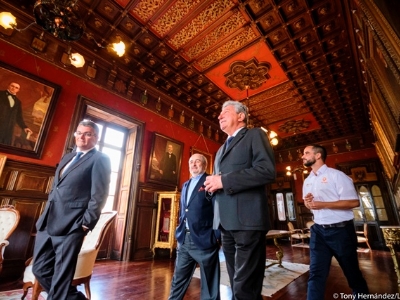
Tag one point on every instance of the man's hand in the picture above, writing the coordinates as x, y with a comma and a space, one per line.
213, 183
309, 200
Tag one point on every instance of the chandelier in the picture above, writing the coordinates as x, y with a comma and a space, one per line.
59, 18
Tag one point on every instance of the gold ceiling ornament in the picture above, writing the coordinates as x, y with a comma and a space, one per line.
245, 75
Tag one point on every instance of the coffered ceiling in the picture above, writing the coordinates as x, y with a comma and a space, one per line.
293, 62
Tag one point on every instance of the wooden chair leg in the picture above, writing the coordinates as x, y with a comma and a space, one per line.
25, 288
37, 289
87, 290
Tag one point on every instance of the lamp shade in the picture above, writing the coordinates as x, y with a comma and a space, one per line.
77, 60
119, 48
7, 20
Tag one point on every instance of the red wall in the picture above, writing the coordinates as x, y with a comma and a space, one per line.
71, 88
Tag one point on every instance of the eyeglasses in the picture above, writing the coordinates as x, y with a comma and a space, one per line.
85, 134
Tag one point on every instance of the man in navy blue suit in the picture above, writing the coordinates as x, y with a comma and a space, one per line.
197, 241
79, 193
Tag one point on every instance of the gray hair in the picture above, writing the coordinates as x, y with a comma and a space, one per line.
202, 158
90, 123
239, 108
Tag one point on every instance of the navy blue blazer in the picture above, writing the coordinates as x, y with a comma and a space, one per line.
78, 195
198, 212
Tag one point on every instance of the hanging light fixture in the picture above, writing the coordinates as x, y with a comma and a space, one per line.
61, 19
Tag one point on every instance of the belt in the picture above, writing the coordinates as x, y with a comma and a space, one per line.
340, 224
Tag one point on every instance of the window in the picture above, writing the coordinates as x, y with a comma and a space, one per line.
111, 142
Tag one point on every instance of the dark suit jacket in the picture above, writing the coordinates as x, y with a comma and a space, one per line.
168, 166
199, 214
78, 196
9, 116
245, 168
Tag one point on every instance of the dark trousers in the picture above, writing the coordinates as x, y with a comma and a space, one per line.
338, 242
188, 256
245, 256
54, 263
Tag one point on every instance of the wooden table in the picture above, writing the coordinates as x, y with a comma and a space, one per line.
392, 238
275, 235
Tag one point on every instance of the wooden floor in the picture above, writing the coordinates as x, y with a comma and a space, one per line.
151, 279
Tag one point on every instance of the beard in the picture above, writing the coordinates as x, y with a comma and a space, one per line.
309, 163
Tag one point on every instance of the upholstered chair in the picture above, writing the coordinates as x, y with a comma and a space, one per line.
86, 259
296, 234
362, 236
9, 218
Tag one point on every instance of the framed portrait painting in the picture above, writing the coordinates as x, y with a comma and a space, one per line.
27, 103
209, 157
165, 160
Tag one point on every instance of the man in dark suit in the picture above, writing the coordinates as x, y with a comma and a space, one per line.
11, 114
241, 171
168, 165
78, 195
197, 241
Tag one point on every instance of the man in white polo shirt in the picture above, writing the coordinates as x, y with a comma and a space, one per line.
331, 196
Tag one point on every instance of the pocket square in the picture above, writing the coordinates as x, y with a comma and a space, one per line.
201, 188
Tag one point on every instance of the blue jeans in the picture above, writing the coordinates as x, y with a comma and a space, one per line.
338, 242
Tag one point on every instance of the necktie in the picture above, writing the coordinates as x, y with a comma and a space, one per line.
228, 141
74, 160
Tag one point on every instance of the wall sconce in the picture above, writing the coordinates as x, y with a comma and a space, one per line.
38, 43
335, 148
91, 70
272, 136
77, 60
74, 59
290, 172
119, 48
7, 20
348, 145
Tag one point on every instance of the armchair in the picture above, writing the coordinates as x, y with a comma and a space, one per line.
9, 218
296, 234
85, 263
362, 236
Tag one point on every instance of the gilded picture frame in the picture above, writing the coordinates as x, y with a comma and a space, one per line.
163, 168
34, 103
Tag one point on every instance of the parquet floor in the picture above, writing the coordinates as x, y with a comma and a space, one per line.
115, 280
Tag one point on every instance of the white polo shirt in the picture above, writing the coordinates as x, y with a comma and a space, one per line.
330, 185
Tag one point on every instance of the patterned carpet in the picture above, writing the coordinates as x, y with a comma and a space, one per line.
275, 278
17, 294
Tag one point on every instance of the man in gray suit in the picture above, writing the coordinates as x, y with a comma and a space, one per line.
241, 171
78, 195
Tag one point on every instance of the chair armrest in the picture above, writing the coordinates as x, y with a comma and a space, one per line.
85, 264
3, 245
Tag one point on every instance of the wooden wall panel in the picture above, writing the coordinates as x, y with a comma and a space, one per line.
25, 186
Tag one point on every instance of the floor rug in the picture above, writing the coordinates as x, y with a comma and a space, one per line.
17, 294
301, 245
275, 277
